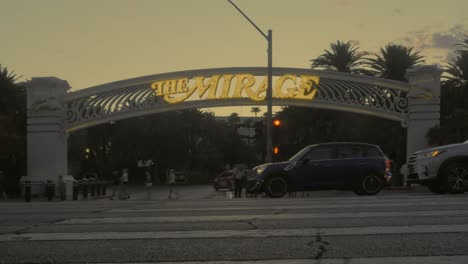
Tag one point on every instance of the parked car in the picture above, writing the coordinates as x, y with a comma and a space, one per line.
360, 167
224, 180
443, 169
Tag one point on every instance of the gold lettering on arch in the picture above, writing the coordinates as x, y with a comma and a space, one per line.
234, 86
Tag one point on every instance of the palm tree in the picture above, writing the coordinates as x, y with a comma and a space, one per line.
255, 111
463, 45
233, 119
342, 57
457, 70
12, 127
393, 61
10, 90
455, 83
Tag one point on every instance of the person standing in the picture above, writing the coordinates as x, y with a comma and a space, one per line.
124, 182
3, 186
171, 181
115, 183
148, 184
239, 181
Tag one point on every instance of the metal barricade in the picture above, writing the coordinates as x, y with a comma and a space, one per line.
33, 188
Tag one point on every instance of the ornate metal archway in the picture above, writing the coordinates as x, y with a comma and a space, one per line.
53, 111
294, 87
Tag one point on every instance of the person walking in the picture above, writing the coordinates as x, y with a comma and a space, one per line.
171, 181
148, 184
238, 181
123, 184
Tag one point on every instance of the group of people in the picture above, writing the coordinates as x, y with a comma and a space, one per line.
171, 180
120, 182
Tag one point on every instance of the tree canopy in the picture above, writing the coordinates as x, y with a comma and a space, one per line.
12, 128
393, 61
342, 56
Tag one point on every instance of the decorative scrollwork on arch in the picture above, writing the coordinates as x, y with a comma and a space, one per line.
135, 97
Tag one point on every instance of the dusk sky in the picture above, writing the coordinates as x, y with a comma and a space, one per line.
91, 42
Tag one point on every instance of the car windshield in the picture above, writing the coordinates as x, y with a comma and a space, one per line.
301, 153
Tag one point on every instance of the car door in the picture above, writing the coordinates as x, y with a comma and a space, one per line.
313, 169
348, 166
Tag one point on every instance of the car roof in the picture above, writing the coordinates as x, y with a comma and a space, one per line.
347, 143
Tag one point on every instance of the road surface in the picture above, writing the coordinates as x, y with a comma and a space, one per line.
206, 227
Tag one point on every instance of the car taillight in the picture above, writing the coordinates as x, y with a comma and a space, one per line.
388, 164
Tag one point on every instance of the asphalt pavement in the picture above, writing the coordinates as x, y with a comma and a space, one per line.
204, 226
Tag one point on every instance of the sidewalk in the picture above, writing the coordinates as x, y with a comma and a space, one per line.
207, 192
186, 192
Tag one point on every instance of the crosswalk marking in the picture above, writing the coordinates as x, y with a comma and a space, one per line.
377, 260
356, 201
341, 199
256, 233
165, 219
286, 206
382, 217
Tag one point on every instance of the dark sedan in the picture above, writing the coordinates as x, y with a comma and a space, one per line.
360, 167
225, 181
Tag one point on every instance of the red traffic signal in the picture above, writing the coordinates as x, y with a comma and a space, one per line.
277, 122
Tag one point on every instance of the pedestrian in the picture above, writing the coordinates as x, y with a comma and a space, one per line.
115, 183
148, 184
3, 186
172, 181
238, 181
62, 188
123, 185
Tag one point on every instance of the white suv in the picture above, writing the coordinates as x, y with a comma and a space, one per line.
443, 169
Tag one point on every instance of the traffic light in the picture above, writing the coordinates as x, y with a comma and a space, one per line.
276, 150
276, 122
276, 136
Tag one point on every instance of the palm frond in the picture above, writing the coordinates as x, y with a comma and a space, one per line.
463, 45
341, 56
393, 61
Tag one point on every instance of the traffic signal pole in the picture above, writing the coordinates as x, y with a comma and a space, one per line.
269, 92
269, 95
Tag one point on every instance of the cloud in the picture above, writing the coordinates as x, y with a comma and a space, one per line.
425, 39
449, 39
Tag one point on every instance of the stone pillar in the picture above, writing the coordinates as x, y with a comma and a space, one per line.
46, 135
423, 105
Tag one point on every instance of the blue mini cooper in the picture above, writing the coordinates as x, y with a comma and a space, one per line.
360, 167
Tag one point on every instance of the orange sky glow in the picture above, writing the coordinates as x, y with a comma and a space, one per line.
90, 42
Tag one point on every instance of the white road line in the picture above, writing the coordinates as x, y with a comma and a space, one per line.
267, 202
379, 260
286, 206
313, 198
256, 233
235, 218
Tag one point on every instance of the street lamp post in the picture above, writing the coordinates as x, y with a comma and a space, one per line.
269, 91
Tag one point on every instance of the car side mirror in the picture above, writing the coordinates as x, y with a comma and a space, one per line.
305, 161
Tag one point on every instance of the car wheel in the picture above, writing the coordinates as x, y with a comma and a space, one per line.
276, 187
456, 178
370, 184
